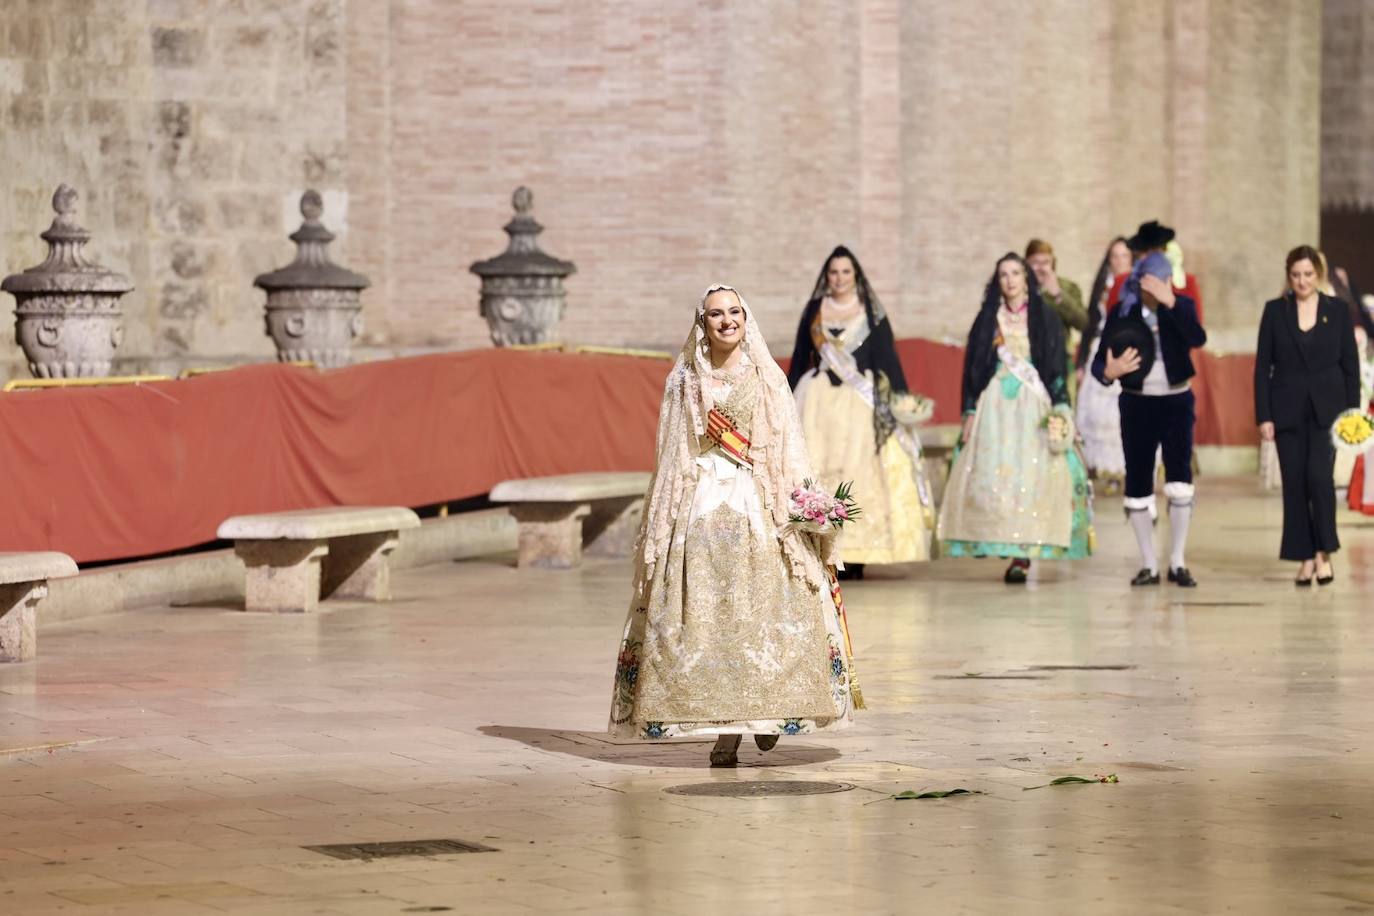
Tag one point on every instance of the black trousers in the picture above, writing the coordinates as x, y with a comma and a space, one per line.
1306, 463
1150, 423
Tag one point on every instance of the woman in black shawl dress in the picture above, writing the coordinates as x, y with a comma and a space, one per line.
1018, 488
858, 415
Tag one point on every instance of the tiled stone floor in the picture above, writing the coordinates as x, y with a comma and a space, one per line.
179, 758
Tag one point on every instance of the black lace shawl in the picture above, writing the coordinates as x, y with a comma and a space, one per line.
1046, 342
1101, 284
878, 353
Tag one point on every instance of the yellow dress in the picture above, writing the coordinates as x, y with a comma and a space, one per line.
838, 425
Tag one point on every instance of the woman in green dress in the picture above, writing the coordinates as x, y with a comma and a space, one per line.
1018, 488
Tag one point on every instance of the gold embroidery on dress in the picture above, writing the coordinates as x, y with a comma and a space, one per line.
739, 639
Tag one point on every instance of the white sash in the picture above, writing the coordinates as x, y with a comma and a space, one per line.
1025, 373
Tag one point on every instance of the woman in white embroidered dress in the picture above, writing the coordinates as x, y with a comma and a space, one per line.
734, 628
1098, 416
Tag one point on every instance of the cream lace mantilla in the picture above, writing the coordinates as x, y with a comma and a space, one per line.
778, 449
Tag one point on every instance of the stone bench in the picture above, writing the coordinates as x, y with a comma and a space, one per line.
937, 448
23, 583
559, 517
296, 558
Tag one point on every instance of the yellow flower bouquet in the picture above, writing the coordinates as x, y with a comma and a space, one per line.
1353, 431
1059, 429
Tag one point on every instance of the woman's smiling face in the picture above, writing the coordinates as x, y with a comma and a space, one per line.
724, 315
839, 276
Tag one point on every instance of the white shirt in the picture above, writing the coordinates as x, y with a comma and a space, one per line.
1156, 383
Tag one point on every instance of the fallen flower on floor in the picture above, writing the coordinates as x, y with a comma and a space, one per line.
1073, 780
934, 793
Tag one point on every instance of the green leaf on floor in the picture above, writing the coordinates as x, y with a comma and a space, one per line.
910, 794
1074, 780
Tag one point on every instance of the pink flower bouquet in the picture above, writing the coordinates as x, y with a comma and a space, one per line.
813, 510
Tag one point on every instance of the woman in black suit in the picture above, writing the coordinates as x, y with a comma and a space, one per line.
1306, 372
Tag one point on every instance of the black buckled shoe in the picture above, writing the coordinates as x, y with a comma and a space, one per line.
726, 751
1182, 578
1145, 577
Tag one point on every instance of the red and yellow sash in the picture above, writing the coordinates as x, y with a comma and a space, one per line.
721, 430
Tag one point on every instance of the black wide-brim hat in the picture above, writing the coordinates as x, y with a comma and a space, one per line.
1149, 236
1131, 331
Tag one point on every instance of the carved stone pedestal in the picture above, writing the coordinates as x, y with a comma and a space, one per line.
67, 316
550, 533
523, 299
314, 309
283, 576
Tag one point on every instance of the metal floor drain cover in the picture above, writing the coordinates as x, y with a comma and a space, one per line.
398, 848
760, 789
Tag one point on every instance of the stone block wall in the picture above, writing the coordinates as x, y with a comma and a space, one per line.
189, 127
668, 145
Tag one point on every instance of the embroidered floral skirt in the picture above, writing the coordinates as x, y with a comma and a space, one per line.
725, 639
1008, 495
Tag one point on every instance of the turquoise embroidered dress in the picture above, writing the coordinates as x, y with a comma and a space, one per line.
1008, 494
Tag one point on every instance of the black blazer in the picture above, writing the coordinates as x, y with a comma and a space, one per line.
1289, 376
1179, 333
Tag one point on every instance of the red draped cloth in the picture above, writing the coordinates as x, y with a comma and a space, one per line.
112, 473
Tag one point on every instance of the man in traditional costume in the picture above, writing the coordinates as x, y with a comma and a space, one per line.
1146, 345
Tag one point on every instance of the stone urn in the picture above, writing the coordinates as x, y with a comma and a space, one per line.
522, 288
67, 316
313, 308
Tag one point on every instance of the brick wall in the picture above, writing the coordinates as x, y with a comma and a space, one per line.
668, 146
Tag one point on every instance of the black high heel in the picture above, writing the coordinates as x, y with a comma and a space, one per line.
1330, 577
1308, 581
